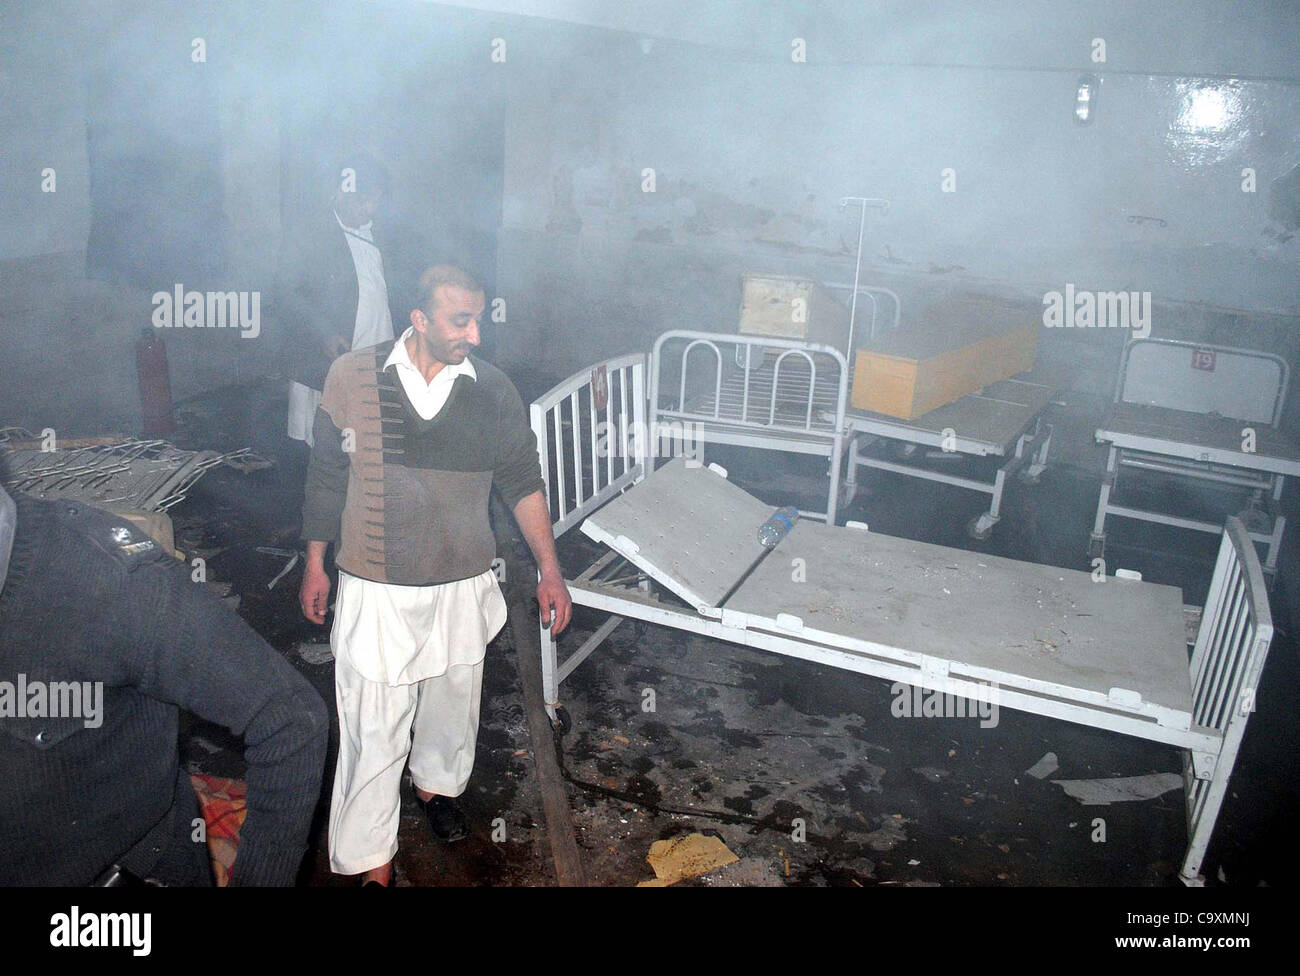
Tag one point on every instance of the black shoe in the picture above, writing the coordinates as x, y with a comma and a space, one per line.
445, 818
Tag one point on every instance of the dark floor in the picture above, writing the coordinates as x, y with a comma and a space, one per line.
742, 743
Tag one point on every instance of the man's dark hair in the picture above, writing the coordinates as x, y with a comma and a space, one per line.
444, 274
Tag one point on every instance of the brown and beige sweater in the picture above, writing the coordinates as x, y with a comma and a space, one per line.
406, 499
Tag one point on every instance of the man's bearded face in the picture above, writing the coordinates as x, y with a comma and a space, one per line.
451, 332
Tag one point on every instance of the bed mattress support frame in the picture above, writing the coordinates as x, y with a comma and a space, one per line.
1225, 667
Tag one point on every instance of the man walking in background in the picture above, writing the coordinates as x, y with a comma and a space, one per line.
334, 295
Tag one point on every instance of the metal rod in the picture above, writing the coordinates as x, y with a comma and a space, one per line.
863, 203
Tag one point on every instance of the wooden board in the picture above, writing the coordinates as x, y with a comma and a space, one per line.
910, 384
953, 348
792, 308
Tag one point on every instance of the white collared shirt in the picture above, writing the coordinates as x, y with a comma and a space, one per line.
374, 321
427, 398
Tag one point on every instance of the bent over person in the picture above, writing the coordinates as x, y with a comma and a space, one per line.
88, 604
410, 438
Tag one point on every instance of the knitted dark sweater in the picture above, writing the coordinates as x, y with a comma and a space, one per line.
80, 604
407, 498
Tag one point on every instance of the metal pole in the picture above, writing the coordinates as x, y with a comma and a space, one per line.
863, 203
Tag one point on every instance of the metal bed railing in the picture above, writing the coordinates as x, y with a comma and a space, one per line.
1225, 668
752, 391
870, 292
1227, 663
1173, 402
592, 438
1147, 375
765, 384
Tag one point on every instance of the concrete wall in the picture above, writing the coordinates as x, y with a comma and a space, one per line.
751, 153
397, 78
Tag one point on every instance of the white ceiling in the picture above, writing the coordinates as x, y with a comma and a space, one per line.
1204, 37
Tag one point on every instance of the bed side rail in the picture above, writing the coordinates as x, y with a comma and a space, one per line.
591, 437
1244, 384
872, 293
1227, 662
747, 381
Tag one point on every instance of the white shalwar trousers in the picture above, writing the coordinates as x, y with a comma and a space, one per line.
408, 677
433, 722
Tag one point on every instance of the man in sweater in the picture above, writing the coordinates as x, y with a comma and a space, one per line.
410, 438
103, 639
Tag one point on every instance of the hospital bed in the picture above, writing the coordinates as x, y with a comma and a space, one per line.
1003, 420
1205, 414
789, 395
681, 551
749, 391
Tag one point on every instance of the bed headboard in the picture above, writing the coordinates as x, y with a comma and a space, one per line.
591, 435
1227, 664
759, 383
1242, 384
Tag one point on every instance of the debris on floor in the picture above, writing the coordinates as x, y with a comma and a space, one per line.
686, 857
1045, 767
223, 591
1102, 792
131, 474
291, 555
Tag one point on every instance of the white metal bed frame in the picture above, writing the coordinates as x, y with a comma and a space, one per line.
1163, 423
1003, 421
1018, 436
749, 404
1225, 668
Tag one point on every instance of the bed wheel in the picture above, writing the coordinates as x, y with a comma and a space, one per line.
980, 527
1027, 477
562, 723
1096, 547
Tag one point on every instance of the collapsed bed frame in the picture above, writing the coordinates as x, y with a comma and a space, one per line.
957, 622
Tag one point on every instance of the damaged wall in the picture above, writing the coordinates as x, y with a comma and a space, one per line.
288, 81
750, 151
751, 154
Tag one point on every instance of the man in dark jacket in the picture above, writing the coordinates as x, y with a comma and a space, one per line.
334, 291
103, 639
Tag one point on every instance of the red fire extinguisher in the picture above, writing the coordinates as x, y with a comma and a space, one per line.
155, 384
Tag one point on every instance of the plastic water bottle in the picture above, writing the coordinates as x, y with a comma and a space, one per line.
777, 525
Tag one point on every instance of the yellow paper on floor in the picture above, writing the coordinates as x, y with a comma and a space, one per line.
685, 857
